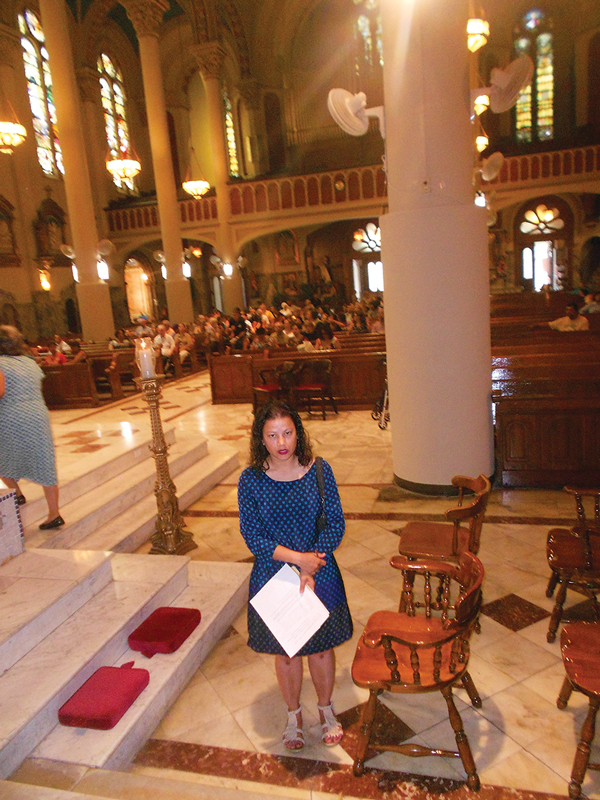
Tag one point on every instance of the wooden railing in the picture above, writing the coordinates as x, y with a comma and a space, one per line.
557, 166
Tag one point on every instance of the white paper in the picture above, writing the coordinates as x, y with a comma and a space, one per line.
291, 617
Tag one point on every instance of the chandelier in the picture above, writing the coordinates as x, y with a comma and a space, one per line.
11, 133
197, 188
124, 168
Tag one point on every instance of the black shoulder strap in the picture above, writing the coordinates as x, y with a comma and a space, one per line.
320, 479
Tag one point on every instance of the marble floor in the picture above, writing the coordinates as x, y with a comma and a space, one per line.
229, 719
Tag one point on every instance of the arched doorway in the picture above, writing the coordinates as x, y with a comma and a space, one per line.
544, 243
139, 285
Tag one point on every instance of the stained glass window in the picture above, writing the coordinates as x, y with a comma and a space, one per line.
534, 112
39, 89
115, 117
234, 168
367, 34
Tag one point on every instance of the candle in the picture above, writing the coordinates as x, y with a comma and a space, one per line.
145, 358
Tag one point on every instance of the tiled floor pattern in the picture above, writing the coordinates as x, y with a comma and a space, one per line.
230, 717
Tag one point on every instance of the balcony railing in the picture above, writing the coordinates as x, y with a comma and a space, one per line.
302, 192
560, 166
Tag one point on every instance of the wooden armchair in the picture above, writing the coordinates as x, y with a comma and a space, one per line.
424, 648
450, 539
313, 380
580, 648
276, 382
574, 558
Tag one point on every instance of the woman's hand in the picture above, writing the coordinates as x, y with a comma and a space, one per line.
310, 563
306, 580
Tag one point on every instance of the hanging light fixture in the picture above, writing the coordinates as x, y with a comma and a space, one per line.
45, 279
11, 133
199, 187
126, 167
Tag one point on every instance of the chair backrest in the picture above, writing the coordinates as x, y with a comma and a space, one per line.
579, 494
317, 370
474, 512
444, 642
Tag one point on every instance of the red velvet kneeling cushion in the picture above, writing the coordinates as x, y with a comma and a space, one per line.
165, 630
103, 699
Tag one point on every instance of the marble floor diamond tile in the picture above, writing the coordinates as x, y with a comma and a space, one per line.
514, 612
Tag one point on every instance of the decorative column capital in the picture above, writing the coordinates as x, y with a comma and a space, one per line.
10, 46
146, 15
210, 58
250, 92
89, 86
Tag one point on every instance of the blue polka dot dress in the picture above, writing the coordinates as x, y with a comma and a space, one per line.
26, 446
285, 513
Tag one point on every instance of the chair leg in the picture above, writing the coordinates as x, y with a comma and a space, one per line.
364, 732
464, 748
552, 584
471, 689
582, 754
564, 694
557, 611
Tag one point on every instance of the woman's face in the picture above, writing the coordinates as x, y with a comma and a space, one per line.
279, 437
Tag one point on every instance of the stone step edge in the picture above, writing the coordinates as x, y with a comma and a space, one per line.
192, 483
139, 482
39, 723
120, 745
75, 487
21, 640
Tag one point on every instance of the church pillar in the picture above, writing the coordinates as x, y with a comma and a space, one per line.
146, 16
434, 251
92, 294
89, 91
254, 152
210, 61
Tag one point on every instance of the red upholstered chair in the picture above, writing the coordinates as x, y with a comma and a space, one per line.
450, 539
313, 380
574, 558
580, 647
424, 648
276, 383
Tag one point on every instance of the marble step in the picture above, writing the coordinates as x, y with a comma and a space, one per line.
10, 790
220, 591
33, 689
130, 529
40, 590
84, 474
87, 512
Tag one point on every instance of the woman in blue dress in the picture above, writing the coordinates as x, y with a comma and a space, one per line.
280, 503
26, 445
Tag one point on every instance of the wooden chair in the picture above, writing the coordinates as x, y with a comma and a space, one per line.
276, 383
422, 649
313, 380
574, 558
580, 648
450, 539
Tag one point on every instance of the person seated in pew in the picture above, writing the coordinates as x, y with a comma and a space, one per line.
260, 339
120, 340
54, 357
278, 338
61, 345
165, 344
593, 307
143, 328
573, 321
184, 342
305, 346
326, 340
78, 353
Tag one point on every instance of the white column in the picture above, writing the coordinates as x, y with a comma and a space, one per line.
146, 16
210, 61
92, 294
434, 251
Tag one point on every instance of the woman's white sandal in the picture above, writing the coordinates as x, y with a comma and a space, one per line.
332, 729
293, 736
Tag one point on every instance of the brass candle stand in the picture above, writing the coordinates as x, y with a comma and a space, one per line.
170, 536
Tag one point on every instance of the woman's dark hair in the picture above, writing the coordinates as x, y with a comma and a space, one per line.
327, 330
274, 410
11, 342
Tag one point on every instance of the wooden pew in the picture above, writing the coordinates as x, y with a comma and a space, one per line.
69, 386
357, 378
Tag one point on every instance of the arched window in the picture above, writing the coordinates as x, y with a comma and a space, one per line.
534, 119
115, 116
39, 88
234, 168
367, 35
